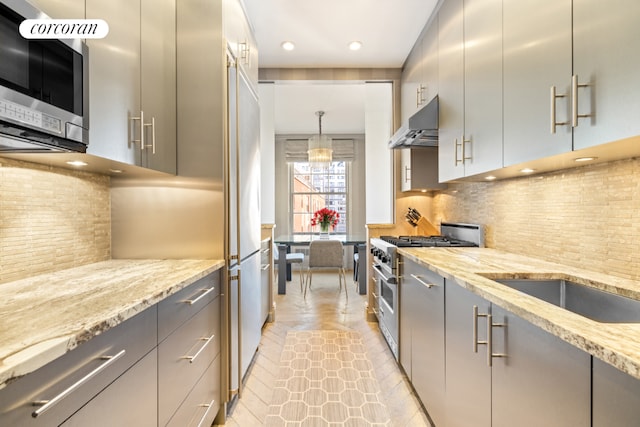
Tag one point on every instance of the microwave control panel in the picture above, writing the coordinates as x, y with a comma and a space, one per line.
26, 116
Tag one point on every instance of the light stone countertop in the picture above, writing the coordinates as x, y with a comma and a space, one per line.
43, 317
615, 343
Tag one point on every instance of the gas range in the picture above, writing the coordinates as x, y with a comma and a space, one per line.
385, 261
384, 248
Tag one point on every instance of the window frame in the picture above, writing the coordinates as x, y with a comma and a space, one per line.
344, 214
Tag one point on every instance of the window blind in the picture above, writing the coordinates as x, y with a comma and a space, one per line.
296, 150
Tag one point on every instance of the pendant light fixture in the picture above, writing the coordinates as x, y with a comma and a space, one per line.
320, 151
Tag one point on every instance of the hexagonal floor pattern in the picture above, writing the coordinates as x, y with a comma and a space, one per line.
326, 379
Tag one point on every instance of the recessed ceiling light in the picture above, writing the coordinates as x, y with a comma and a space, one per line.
490, 178
527, 170
77, 163
116, 171
355, 45
584, 159
288, 45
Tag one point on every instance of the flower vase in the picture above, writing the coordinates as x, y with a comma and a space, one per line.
324, 231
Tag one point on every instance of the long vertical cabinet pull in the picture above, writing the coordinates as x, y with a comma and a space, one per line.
490, 326
140, 119
574, 101
143, 125
476, 343
456, 144
553, 97
152, 125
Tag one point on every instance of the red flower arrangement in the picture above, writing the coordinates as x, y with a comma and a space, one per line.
325, 218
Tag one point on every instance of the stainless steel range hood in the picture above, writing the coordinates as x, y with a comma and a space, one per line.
421, 130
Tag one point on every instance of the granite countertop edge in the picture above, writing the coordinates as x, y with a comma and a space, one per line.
46, 316
617, 344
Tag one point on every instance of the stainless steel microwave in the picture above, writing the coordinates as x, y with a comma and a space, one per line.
44, 87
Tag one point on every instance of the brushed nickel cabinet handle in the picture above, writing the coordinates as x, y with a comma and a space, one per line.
208, 406
48, 404
206, 340
152, 125
204, 294
464, 150
419, 279
476, 343
553, 97
456, 144
407, 170
574, 101
490, 326
140, 119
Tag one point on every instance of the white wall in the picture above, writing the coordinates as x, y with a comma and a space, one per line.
267, 153
380, 197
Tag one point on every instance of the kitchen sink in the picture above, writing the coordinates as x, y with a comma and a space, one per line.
586, 301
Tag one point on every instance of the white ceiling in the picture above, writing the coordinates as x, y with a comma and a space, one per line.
321, 31
296, 105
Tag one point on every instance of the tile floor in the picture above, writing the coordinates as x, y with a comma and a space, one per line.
323, 309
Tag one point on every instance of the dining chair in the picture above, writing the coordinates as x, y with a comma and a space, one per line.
326, 254
292, 258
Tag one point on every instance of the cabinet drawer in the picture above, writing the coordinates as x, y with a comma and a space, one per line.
75, 378
181, 306
203, 403
184, 356
116, 406
421, 274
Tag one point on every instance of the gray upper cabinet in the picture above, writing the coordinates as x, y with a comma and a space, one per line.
420, 73
606, 58
240, 39
470, 87
451, 90
419, 169
537, 58
132, 78
411, 82
158, 84
482, 145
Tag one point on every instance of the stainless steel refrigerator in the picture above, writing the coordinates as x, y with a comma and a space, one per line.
243, 210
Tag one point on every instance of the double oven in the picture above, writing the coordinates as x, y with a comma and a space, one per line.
384, 252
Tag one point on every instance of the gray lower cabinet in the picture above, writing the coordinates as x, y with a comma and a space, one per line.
184, 357
468, 387
115, 406
616, 397
524, 376
422, 346
161, 367
542, 381
202, 404
62, 382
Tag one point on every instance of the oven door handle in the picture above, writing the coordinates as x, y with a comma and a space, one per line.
388, 279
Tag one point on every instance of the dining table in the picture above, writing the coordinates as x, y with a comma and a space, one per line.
286, 241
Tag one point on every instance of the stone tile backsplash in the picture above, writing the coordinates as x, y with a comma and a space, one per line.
586, 217
51, 219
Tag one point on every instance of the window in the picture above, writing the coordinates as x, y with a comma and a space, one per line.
314, 188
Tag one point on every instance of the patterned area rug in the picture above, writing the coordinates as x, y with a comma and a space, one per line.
326, 379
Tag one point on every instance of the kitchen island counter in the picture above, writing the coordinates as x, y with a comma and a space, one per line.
44, 317
474, 268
